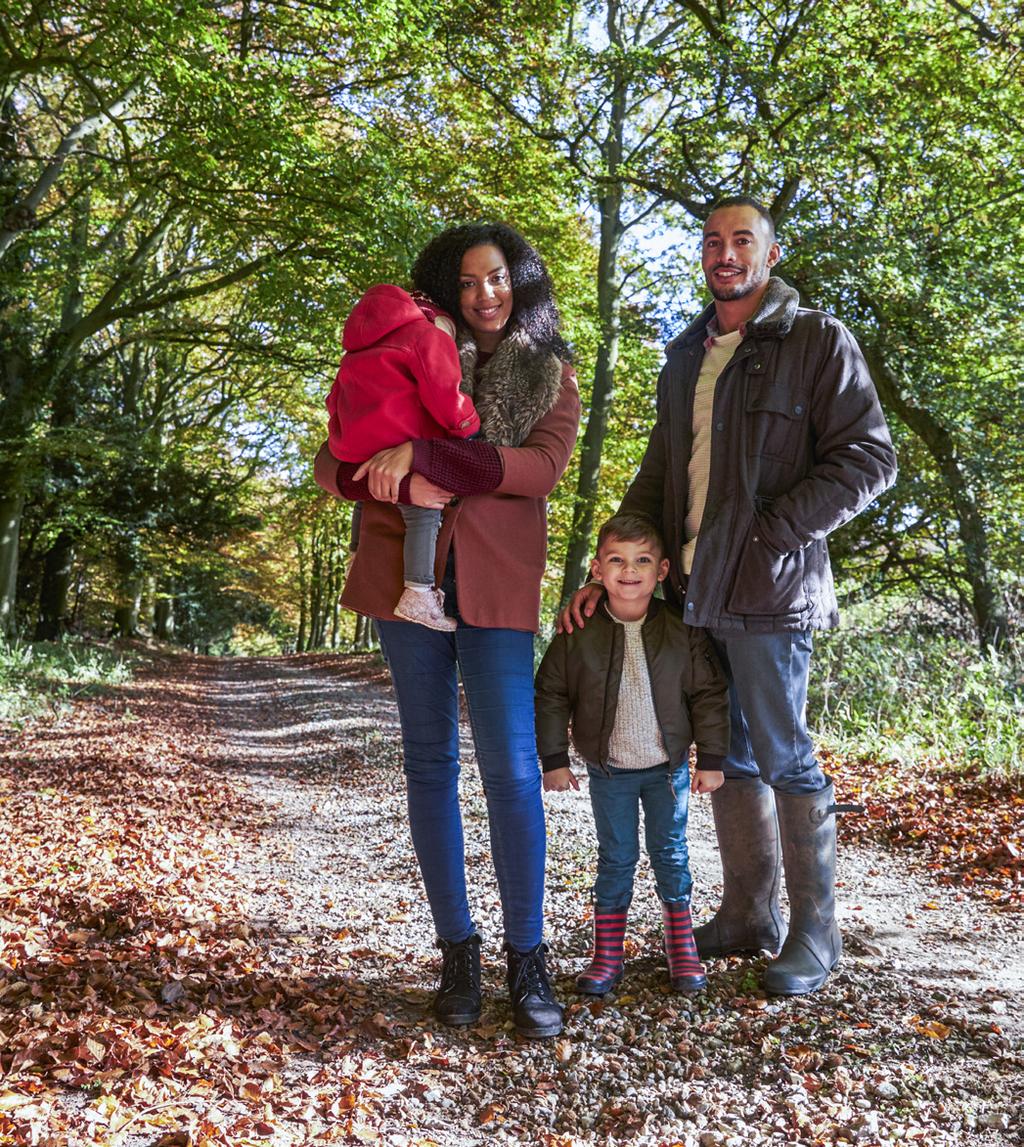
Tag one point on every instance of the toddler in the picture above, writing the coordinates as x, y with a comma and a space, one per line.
635, 688
398, 380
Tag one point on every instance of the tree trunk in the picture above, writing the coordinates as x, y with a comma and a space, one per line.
578, 552
988, 601
363, 640
53, 621
609, 290
11, 506
163, 613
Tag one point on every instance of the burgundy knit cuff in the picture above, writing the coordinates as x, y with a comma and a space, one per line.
360, 491
457, 466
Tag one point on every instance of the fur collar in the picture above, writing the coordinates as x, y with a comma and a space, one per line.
773, 319
516, 387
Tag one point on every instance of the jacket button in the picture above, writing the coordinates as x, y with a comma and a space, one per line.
689, 605
756, 366
756, 538
719, 425
798, 409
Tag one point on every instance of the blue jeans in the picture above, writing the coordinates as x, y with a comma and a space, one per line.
497, 676
768, 737
616, 801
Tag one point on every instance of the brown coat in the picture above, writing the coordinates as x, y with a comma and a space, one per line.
500, 539
800, 447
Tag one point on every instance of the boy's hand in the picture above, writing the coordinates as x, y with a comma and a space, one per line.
707, 780
560, 781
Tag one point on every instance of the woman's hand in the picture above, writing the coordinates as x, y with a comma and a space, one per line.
424, 493
385, 471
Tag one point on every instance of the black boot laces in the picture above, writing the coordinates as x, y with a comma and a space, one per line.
458, 969
530, 978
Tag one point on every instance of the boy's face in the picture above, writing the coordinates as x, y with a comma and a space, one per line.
629, 571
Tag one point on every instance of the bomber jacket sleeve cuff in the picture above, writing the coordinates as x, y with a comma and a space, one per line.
710, 762
555, 761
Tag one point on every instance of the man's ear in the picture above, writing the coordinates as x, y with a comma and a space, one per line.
774, 254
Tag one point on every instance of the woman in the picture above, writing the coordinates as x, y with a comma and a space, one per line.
490, 558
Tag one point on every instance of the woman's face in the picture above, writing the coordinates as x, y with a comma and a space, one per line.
485, 294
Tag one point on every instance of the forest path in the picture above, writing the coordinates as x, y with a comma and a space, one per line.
926, 967
214, 935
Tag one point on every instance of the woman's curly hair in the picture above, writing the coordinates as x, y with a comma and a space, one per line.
436, 273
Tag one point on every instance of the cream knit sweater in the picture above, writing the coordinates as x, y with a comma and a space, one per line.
636, 741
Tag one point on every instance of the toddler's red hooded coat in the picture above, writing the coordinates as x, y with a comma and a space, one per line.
398, 380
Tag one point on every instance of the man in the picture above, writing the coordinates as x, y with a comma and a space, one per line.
769, 436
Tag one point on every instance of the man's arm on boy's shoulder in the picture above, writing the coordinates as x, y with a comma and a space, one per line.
708, 701
553, 707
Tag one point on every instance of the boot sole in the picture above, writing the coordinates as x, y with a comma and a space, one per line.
541, 1033
428, 624
797, 988
459, 1020
598, 989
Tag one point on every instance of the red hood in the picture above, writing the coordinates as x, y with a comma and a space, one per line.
380, 311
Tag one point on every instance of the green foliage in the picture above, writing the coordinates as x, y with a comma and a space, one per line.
42, 678
908, 692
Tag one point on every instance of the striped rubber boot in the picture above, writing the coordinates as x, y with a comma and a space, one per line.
684, 967
606, 964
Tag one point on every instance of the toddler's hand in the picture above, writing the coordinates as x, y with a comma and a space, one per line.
707, 780
560, 781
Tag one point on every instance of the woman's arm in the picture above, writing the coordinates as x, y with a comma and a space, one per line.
461, 467
338, 479
533, 469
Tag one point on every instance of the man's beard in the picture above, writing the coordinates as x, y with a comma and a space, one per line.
740, 290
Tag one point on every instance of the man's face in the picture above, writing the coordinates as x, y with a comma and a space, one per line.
737, 253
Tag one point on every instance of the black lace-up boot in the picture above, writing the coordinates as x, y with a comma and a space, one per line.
458, 997
536, 1012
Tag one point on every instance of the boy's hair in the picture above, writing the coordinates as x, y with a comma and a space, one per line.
631, 528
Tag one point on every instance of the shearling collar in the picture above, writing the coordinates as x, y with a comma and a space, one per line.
773, 318
517, 385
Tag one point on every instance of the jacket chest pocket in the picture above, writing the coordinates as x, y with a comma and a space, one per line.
775, 417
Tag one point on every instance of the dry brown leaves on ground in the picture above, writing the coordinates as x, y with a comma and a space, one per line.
969, 827
128, 971
137, 998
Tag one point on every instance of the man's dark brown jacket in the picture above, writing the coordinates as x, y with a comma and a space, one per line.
578, 690
799, 446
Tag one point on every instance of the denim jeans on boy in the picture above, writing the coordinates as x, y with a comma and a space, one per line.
768, 737
421, 529
616, 800
497, 676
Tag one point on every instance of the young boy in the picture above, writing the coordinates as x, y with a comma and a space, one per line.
399, 379
635, 688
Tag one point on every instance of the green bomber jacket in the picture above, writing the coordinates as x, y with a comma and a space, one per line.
577, 690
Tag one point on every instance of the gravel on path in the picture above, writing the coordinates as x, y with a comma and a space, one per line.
917, 1038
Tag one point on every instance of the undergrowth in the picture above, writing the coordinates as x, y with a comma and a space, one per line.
41, 677
914, 695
